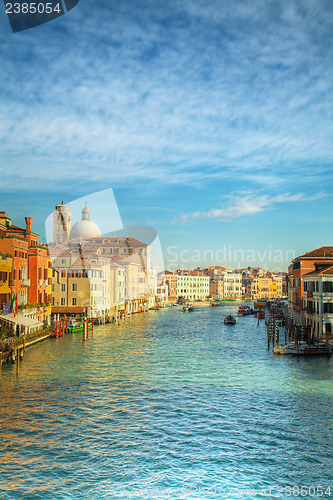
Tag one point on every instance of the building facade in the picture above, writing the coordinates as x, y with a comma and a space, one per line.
6, 264
300, 266
318, 301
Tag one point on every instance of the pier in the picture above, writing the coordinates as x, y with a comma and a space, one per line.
297, 340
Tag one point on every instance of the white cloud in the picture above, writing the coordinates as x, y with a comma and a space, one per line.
246, 204
170, 93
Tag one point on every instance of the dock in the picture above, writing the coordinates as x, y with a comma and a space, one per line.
13, 350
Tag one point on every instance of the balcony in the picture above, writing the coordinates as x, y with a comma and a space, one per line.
40, 283
26, 282
46, 282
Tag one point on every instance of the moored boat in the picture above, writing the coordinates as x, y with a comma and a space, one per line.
244, 310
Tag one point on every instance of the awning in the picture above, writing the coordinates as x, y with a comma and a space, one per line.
68, 310
21, 320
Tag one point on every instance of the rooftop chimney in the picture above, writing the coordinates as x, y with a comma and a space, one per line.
28, 221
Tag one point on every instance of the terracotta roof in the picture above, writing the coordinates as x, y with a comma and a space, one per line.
325, 270
115, 264
322, 252
114, 241
84, 264
58, 251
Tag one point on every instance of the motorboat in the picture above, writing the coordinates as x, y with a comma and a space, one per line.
229, 320
244, 310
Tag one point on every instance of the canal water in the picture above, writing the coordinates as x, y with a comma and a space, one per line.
169, 405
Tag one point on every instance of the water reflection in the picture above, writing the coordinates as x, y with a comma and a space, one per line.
168, 399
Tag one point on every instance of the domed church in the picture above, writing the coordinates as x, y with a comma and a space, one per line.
85, 228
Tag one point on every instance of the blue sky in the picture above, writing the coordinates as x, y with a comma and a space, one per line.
211, 121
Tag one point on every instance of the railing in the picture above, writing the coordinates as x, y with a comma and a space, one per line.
26, 282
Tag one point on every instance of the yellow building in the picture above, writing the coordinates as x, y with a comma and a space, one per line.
6, 264
264, 288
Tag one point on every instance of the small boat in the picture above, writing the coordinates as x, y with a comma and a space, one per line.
215, 304
244, 310
185, 309
188, 308
229, 320
260, 313
191, 308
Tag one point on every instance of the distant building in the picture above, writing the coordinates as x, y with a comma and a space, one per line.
192, 285
225, 283
129, 279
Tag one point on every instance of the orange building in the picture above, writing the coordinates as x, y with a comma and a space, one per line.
300, 266
40, 276
18, 249
31, 268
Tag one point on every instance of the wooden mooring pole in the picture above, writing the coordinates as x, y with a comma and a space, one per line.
17, 362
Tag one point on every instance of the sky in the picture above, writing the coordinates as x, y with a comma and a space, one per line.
211, 121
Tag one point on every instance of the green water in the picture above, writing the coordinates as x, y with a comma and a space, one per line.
170, 405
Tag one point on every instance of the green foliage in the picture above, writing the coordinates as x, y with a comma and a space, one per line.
11, 236
4, 332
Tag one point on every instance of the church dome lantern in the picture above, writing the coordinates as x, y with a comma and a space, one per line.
85, 228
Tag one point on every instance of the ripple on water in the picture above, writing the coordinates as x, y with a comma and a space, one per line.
169, 400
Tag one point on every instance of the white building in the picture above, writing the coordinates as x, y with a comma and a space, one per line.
318, 300
192, 285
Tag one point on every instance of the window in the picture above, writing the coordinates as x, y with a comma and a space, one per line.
52, 288
74, 287
74, 301
63, 287
328, 286
328, 307
53, 301
62, 302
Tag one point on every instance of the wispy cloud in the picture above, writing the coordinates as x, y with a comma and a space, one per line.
169, 92
245, 205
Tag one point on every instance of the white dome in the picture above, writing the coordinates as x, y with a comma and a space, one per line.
85, 228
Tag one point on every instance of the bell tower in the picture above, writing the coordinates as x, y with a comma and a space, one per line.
62, 221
